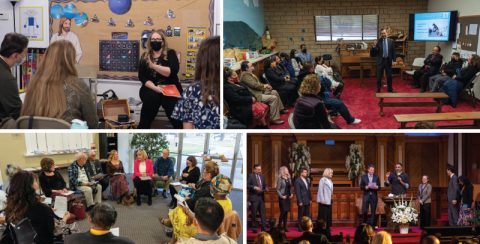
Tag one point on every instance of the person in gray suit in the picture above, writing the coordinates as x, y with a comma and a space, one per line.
452, 196
425, 199
302, 190
324, 197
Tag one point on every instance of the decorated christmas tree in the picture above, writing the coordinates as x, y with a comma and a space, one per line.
354, 162
152, 143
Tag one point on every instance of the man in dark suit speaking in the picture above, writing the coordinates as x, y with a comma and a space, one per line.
369, 184
384, 50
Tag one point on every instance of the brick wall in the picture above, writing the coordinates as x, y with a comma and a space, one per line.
287, 18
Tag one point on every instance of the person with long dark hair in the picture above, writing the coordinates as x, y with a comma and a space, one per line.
158, 66
285, 194
466, 199
199, 106
22, 202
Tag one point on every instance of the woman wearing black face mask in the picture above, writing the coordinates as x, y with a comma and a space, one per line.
159, 66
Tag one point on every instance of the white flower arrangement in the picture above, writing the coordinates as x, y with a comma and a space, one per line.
299, 157
403, 212
354, 162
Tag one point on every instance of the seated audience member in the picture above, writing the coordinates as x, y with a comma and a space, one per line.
208, 218
13, 52
190, 175
431, 67
178, 218
280, 82
305, 56
142, 176
430, 240
296, 61
310, 111
55, 91
263, 238
80, 179
425, 125
322, 69
102, 217
286, 63
118, 179
220, 188
307, 69
22, 202
238, 97
96, 171
447, 71
163, 171
382, 237
364, 234
51, 181
282, 70
308, 235
322, 229
278, 236
334, 104
263, 92
453, 86
199, 106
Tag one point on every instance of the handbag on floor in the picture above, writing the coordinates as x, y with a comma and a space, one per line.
21, 233
261, 113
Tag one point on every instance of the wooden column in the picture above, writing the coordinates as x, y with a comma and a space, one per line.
256, 150
443, 161
382, 157
276, 141
400, 151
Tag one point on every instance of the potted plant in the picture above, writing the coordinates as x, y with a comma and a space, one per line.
403, 214
152, 143
299, 155
354, 163
475, 220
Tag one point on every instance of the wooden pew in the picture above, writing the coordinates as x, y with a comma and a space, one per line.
433, 95
403, 119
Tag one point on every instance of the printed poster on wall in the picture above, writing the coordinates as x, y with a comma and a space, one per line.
195, 35
31, 22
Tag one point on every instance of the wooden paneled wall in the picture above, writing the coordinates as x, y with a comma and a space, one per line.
419, 154
345, 211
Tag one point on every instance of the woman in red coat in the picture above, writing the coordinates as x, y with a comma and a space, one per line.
142, 176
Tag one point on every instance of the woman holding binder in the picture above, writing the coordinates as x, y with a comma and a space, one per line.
142, 176
158, 71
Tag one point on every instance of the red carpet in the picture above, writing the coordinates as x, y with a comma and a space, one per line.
363, 104
412, 237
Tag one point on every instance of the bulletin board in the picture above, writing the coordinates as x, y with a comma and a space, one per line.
187, 13
469, 33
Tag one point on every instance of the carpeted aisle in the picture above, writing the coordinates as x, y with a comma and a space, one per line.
363, 104
141, 224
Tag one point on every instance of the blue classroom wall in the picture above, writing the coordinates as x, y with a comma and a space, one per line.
244, 23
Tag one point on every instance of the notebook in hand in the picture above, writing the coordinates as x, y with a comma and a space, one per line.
170, 91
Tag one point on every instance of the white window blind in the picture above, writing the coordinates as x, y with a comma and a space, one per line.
348, 27
55, 143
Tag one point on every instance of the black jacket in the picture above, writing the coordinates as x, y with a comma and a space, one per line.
364, 182
239, 100
466, 74
377, 51
302, 191
467, 195
275, 78
146, 74
451, 67
193, 175
310, 113
397, 187
434, 62
10, 103
49, 183
308, 236
251, 183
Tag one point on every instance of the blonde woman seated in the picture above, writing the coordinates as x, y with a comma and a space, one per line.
55, 90
310, 111
180, 218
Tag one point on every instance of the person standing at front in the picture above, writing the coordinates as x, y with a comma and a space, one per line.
324, 197
384, 51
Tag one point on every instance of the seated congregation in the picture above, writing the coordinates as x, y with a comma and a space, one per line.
309, 94
200, 207
298, 91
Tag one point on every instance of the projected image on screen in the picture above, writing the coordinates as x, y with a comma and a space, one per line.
432, 26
